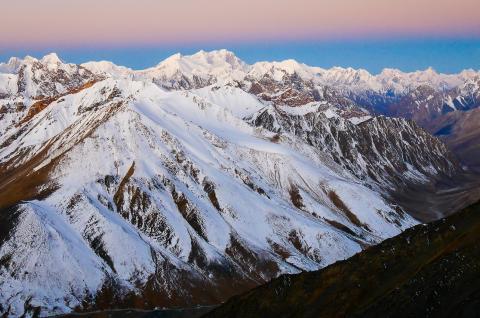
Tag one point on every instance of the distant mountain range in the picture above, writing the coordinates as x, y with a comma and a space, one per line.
203, 176
424, 96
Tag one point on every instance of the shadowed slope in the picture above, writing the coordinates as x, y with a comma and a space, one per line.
428, 271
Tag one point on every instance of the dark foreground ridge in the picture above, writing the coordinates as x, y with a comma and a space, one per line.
138, 313
428, 271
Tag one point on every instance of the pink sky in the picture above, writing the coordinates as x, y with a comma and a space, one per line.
110, 22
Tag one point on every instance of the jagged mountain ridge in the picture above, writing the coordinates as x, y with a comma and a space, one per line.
127, 189
29, 85
373, 157
223, 67
425, 104
423, 96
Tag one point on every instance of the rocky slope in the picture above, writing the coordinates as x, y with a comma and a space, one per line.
427, 271
30, 85
179, 185
437, 109
370, 148
461, 132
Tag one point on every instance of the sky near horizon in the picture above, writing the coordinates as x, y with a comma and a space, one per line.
118, 22
90, 29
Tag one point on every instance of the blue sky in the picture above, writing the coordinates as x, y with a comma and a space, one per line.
444, 55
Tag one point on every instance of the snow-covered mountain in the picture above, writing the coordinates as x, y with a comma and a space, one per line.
191, 181
222, 66
425, 104
423, 96
29, 85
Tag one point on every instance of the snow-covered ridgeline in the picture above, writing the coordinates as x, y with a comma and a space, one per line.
132, 188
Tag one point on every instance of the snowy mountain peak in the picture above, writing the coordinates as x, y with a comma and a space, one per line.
29, 59
203, 60
107, 68
277, 70
349, 76
11, 66
51, 58
218, 56
30, 78
14, 63
390, 72
194, 71
172, 58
